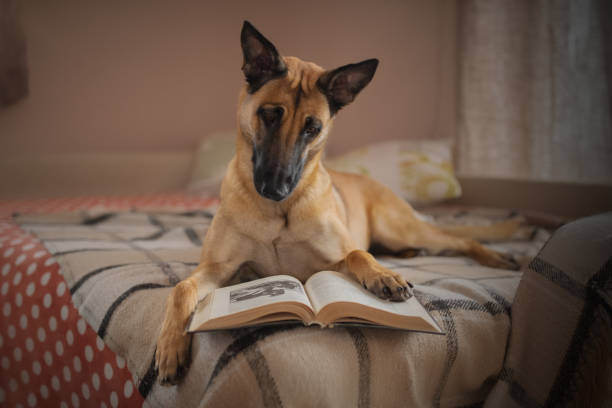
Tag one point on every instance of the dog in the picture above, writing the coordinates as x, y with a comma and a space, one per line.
281, 211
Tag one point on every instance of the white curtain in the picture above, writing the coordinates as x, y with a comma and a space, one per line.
535, 90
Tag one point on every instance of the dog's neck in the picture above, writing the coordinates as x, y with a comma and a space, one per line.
315, 181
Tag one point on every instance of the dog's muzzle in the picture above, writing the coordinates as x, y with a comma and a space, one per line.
274, 184
275, 178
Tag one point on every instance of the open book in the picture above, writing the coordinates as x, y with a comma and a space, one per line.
326, 299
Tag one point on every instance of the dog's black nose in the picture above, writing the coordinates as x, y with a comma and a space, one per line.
275, 192
275, 182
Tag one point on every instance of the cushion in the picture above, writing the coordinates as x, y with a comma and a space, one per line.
210, 163
420, 171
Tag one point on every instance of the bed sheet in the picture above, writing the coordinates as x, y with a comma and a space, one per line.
119, 267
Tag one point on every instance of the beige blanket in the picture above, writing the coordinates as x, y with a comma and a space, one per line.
120, 268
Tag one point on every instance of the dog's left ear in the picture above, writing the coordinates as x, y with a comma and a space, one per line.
342, 85
261, 60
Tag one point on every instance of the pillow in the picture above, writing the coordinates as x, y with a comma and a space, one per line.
211, 159
420, 171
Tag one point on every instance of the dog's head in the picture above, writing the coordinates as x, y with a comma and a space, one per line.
287, 108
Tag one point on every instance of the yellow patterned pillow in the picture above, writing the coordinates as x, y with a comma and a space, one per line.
420, 171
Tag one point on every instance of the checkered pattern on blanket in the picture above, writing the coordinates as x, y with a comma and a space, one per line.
560, 351
121, 266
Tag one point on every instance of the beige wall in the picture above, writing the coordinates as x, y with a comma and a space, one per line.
123, 76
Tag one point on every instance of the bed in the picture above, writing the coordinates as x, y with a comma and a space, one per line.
83, 290
49, 354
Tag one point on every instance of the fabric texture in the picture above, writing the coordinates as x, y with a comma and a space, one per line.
535, 90
420, 171
120, 266
49, 355
560, 350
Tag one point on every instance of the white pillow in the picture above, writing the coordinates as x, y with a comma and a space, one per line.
420, 171
210, 163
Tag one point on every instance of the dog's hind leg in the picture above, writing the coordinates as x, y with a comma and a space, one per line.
394, 225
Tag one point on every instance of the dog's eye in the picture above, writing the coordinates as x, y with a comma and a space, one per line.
270, 115
312, 127
311, 131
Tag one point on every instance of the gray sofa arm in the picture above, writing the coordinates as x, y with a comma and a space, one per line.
560, 347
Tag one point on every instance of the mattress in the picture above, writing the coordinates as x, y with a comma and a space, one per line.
83, 292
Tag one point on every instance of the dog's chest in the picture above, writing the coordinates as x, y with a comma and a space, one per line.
298, 249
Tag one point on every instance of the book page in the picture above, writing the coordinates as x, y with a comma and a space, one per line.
329, 287
250, 295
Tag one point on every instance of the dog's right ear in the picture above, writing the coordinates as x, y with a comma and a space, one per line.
261, 60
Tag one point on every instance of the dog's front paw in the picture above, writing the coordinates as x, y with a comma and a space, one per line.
387, 284
172, 356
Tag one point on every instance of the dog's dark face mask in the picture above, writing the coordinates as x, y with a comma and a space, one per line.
280, 155
288, 128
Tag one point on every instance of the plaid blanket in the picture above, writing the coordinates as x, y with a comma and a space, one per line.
120, 266
560, 351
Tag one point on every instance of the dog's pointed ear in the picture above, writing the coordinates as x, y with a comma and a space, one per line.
261, 60
342, 85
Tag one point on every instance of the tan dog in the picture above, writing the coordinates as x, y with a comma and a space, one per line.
282, 212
